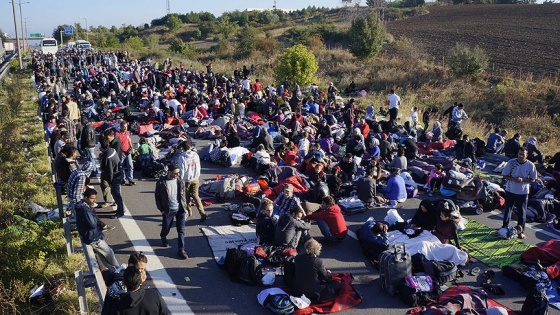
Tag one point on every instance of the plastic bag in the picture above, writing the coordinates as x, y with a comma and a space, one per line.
269, 278
393, 217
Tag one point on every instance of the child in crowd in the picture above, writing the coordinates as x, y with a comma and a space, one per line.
266, 222
303, 146
145, 152
414, 116
435, 179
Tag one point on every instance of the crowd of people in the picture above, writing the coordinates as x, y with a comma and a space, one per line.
337, 146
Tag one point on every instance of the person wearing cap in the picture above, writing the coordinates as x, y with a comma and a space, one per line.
286, 200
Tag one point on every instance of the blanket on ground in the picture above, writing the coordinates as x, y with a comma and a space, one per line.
221, 238
429, 245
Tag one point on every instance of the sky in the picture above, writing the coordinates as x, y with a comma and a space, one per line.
44, 15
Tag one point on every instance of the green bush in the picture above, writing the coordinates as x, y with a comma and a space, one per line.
298, 65
464, 61
366, 36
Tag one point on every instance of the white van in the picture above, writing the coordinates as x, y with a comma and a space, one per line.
83, 44
49, 45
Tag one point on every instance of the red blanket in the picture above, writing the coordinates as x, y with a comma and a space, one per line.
453, 292
548, 253
429, 147
296, 181
347, 298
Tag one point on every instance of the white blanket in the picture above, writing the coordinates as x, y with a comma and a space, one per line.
429, 245
221, 238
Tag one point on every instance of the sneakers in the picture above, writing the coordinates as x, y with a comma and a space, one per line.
131, 183
117, 216
164, 242
182, 254
203, 217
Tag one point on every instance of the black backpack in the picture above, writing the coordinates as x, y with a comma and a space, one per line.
536, 303
441, 271
279, 304
233, 261
250, 270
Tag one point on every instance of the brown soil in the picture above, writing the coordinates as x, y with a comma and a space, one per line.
517, 38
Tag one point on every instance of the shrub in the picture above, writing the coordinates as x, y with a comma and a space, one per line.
174, 22
298, 65
464, 61
366, 36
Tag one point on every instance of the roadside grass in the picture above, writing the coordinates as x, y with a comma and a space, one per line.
31, 253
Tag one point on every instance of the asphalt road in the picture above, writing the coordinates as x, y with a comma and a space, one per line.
199, 286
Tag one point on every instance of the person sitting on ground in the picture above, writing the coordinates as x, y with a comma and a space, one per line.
395, 190
266, 223
116, 288
334, 182
291, 230
319, 189
410, 147
385, 148
400, 162
139, 300
348, 166
374, 151
145, 152
375, 166
263, 158
437, 132
437, 174
304, 145
330, 220
373, 238
512, 146
324, 130
327, 145
496, 142
425, 217
315, 155
446, 228
533, 153
286, 200
356, 144
554, 163
311, 277
366, 188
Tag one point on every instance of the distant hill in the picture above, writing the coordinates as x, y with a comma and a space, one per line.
519, 38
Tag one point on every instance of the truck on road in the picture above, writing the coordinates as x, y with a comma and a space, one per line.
9, 46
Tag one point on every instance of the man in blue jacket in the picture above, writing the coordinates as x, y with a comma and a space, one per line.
395, 190
90, 233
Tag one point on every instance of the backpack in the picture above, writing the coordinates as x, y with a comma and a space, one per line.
441, 271
250, 271
419, 291
536, 303
289, 271
279, 304
154, 169
232, 262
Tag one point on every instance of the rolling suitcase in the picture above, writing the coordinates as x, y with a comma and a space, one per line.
394, 266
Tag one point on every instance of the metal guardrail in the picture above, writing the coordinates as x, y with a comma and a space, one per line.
5, 69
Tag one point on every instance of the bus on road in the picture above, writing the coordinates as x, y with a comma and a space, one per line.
49, 45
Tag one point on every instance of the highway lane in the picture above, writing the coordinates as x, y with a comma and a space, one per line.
199, 286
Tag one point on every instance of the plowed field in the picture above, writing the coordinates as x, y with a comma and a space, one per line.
517, 38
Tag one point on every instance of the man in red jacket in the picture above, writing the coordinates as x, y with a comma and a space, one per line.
330, 220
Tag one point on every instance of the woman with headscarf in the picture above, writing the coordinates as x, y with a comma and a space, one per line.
436, 132
533, 153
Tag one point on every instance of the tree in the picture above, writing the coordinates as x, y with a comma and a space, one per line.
268, 47
464, 61
174, 22
151, 41
226, 28
297, 65
57, 31
247, 40
134, 43
179, 47
366, 36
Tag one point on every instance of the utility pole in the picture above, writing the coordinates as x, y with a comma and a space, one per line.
17, 36
168, 7
26, 42
87, 31
21, 24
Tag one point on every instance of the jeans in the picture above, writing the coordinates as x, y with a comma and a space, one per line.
128, 167
191, 191
520, 203
116, 192
324, 227
90, 152
393, 113
167, 222
105, 254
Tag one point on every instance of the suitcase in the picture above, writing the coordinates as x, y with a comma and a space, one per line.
395, 265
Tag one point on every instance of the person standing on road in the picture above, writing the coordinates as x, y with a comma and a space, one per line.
90, 233
519, 174
189, 164
111, 176
393, 102
87, 143
127, 152
172, 203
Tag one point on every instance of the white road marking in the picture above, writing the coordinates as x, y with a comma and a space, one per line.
161, 279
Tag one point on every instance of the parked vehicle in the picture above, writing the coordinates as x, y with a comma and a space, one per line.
9, 47
49, 45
